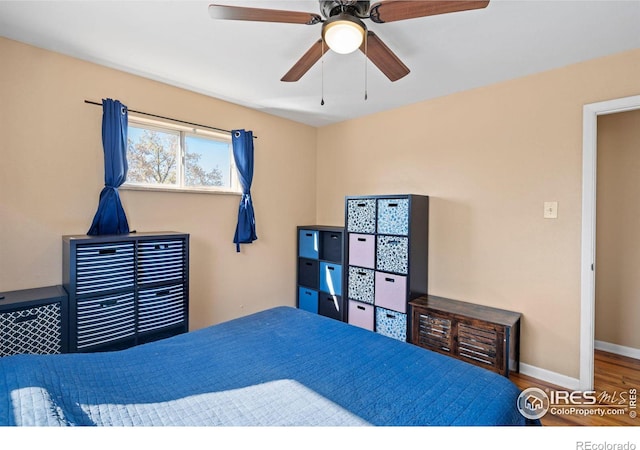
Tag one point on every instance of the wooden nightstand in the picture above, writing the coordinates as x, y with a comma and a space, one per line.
481, 335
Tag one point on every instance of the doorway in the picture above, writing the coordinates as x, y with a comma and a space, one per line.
587, 269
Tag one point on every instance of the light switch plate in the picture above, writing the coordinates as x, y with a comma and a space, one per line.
550, 210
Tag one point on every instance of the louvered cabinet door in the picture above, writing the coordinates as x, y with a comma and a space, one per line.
433, 331
481, 343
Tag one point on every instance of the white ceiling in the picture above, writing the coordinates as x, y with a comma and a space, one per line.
178, 43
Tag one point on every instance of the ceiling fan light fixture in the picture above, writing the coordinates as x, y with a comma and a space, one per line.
343, 33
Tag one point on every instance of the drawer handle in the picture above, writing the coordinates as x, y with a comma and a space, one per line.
1, 297
362, 205
361, 307
390, 316
393, 205
394, 242
107, 303
390, 280
309, 234
362, 239
26, 318
334, 236
361, 273
161, 246
308, 264
307, 293
107, 251
331, 268
159, 293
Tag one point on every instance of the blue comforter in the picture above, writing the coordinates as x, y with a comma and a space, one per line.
282, 366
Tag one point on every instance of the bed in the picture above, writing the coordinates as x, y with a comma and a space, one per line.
278, 367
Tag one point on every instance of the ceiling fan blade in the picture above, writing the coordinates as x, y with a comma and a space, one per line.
394, 10
225, 12
384, 59
306, 62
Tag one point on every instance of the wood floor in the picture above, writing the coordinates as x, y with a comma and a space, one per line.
615, 379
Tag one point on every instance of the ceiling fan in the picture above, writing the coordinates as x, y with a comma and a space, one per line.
343, 29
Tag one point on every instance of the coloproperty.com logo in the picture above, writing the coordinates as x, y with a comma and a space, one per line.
534, 403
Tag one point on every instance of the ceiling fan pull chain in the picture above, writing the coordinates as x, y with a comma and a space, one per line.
366, 57
322, 75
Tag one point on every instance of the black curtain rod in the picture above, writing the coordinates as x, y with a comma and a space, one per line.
169, 118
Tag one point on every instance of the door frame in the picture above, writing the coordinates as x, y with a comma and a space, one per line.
590, 115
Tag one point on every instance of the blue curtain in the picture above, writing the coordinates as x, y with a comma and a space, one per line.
110, 217
243, 154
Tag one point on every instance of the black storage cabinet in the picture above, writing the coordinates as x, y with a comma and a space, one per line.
320, 277
33, 321
125, 290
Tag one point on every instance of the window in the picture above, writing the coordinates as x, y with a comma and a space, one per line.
164, 156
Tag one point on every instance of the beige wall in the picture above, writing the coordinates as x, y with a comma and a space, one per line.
618, 230
51, 174
489, 158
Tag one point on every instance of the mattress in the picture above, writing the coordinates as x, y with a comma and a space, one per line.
278, 367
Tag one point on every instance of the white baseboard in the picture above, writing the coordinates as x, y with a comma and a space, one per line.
618, 349
574, 383
550, 377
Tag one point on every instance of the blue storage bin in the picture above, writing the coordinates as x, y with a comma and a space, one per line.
331, 278
308, 244
308, 300
393, 216
391, 323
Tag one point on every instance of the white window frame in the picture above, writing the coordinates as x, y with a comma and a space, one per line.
183, 131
